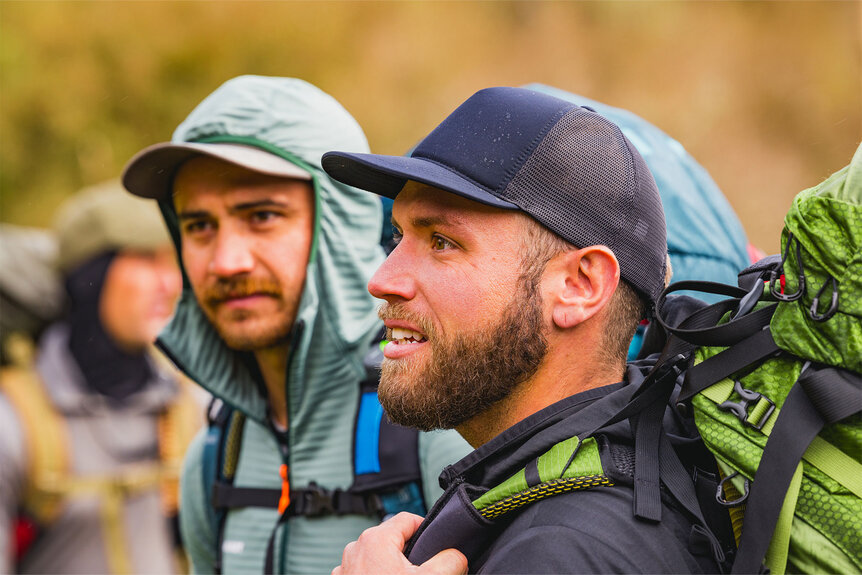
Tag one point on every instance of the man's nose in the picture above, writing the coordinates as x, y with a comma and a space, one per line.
393, 280
232, 256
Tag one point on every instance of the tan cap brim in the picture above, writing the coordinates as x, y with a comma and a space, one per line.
150, 174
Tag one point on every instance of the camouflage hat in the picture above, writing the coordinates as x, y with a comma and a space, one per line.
106, 218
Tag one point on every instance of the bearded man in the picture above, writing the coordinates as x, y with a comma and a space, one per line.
531, 241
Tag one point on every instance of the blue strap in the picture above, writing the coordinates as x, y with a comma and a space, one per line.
366, 458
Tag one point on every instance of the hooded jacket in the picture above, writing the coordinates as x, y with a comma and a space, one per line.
335, 325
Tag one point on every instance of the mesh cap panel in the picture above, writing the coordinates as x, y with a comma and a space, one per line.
584, 183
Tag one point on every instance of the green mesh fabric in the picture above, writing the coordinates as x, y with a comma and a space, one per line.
827, 222
826, 534
585, 471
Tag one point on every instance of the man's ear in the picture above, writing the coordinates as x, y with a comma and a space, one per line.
580, 283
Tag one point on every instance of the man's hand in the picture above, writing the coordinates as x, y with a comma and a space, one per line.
380, 551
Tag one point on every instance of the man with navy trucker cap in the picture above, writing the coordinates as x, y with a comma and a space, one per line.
531, 241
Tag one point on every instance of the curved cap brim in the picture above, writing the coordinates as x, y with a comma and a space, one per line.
386, 175
150, 173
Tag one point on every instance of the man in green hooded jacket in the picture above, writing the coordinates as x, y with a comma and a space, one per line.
275, 321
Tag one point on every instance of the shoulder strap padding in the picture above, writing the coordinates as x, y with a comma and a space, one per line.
569, 465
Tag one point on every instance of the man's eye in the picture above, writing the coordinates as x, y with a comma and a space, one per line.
197, 226
397, 237
263, 216
439, 243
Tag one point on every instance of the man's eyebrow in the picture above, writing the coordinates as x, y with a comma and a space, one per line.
427, 221
267, 203
241, 207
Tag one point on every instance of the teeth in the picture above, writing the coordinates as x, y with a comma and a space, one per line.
405, 336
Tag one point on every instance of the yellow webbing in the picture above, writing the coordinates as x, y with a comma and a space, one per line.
177, 427
779, 546
820, 453
47, 449
731, 493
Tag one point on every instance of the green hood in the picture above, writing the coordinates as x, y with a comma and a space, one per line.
298, 122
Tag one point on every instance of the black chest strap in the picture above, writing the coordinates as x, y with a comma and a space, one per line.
310, 501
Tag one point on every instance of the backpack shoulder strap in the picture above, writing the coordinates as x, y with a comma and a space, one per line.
177, 426
385, 455
47, 449
570, 465
219, 461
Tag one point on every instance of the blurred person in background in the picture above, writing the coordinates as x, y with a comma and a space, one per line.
31, 289
275, 320
93, 430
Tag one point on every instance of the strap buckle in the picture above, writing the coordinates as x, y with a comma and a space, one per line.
764, 407
314, 501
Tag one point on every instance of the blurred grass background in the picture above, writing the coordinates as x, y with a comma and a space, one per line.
766, 95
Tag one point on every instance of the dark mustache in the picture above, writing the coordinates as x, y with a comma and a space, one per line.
225, 289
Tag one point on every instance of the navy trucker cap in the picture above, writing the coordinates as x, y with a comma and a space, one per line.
568, 167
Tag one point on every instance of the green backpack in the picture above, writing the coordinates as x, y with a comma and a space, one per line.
775, 387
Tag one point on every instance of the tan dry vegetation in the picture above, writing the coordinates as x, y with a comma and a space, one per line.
766, 95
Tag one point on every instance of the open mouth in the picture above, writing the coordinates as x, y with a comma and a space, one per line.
401, 336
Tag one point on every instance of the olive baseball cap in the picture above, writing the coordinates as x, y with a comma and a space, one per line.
105, 218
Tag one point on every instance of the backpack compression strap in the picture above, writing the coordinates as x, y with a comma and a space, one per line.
819, 397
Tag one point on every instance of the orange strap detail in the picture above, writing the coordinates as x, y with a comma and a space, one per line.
284, 500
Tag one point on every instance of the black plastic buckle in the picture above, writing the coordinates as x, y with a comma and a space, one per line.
740, 408
719, 492
672, 368
314, 501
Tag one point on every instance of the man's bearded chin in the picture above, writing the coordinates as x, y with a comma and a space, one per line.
468, 373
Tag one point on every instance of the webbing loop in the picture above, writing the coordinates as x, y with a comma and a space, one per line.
779, 273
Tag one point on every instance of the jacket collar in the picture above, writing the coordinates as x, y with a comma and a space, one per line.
513, 448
